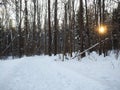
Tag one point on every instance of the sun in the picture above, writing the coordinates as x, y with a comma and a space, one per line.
102, 29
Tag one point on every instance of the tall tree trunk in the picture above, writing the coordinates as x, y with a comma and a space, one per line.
73, 24
45, 34
17, 28
34, 20
103, 11
87, 26
55, 28
100, 22
45, 39
39, 29
26, 29
19, 31
103, 21
96, 12
81, 27
70, 27
34, 28
65, 32
49, 31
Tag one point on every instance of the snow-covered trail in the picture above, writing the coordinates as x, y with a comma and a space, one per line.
43, 73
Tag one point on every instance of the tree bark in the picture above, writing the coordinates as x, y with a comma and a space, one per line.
55, 28
26, 29
81, 27
49, 31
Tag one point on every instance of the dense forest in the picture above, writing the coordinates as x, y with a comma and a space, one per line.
36, 27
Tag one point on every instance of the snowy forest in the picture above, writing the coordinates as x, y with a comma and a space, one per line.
37, 27
59, 44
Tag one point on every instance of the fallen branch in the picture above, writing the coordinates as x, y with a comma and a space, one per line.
79, 54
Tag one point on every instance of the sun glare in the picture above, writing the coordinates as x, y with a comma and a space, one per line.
102, 29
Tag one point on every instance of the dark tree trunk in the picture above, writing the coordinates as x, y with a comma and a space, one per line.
100, 22
49, 31
70, 27
103, 11
55, 27
81, 27
39, 29
19, 31
73, 24
26, 29
34, 21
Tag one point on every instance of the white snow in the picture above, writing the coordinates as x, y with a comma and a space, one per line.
93, 72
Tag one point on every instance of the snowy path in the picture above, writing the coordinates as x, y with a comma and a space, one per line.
42, 73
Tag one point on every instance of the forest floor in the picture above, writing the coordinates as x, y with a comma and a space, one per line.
93, 72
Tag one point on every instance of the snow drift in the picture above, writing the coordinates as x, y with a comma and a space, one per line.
93, 72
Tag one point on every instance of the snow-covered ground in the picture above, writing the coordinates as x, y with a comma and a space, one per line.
93, 72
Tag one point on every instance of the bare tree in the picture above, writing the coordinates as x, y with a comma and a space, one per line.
38, 28
49, 27
26, 28
87, 26
17, 27
70, 26
55, 28
81, 27
73, 24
